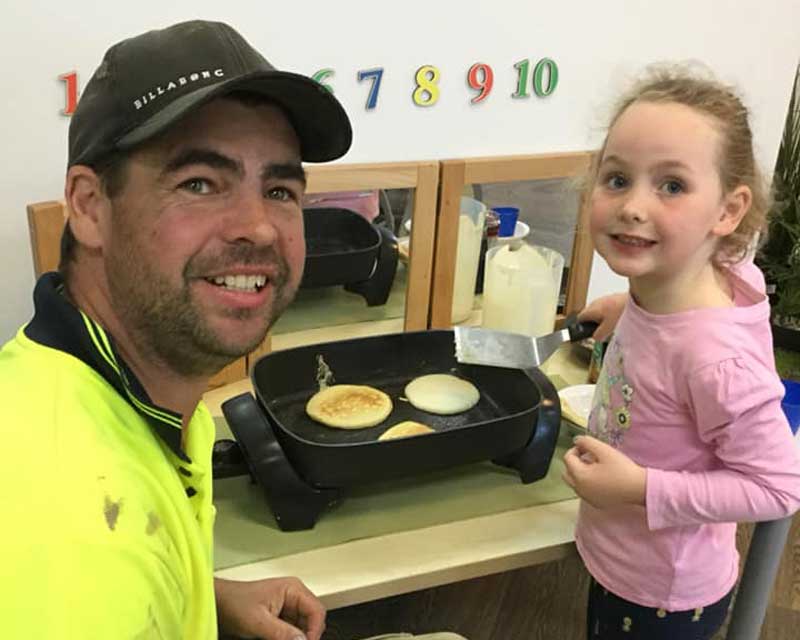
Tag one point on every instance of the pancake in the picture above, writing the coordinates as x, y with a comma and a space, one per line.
349, 406
442, 394
404, 429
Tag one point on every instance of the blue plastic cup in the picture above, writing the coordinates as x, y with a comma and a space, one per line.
791, 403
508, 220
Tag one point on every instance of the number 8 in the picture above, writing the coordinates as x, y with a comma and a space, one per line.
427, 93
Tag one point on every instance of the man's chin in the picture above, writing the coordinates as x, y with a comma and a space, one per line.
232, 338
242, 345
236, 335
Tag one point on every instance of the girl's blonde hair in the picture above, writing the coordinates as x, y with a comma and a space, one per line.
736, 160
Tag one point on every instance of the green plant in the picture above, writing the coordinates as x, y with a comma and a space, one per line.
780, 256
787, 364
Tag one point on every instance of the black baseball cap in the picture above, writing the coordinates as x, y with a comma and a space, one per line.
147, 83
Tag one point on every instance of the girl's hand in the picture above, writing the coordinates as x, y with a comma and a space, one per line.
602, 475
605, 311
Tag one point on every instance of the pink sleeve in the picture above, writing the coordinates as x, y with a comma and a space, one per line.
737, 409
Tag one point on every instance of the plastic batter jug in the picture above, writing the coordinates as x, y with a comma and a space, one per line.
470, 233
521, 290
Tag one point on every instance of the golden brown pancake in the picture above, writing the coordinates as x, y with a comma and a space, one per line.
442, 393
349, 406
404, 429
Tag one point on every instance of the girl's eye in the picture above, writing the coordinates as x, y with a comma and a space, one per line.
616, 181
199, 186
672, 187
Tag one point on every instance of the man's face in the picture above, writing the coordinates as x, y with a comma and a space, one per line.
205, 249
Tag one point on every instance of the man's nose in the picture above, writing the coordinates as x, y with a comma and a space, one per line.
251, 219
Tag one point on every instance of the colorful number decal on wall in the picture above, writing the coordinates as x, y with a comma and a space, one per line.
71, 81
543, 81
522, 79
322, 75
427, 92
376, 75
545, 65
481, 78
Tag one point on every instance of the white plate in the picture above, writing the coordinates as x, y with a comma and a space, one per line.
576, 403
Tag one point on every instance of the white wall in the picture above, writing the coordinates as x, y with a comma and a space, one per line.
597, 45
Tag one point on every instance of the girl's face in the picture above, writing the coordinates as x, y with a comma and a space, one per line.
657, 209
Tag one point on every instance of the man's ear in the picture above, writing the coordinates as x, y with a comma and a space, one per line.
735, 206
88, 206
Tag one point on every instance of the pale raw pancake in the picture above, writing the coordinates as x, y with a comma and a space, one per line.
442, 393
406, 428
349, 406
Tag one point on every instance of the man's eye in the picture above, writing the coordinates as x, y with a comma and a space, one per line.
197, 185
280, 193
672, 187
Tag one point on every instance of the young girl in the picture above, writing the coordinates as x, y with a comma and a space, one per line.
689, 435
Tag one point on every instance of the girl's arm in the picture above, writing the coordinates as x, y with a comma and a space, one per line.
737, 408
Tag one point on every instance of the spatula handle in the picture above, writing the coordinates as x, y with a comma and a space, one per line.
579, 330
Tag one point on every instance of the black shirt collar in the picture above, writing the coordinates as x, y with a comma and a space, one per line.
59, 324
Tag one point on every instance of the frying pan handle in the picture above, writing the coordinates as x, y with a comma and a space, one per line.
533, 460
295, 504
579, 330
378, 286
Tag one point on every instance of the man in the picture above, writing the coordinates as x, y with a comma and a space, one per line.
184, 243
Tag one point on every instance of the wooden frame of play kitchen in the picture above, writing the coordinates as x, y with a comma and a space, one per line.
455, 176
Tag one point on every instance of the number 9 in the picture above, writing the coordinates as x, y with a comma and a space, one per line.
484, 85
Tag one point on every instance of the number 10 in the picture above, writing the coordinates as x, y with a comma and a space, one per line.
544, 66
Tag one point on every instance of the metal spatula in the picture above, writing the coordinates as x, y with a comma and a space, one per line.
475, 345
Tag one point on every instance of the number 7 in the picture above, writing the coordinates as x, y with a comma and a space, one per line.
376, 75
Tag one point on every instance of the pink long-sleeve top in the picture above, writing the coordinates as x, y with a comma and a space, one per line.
694, 398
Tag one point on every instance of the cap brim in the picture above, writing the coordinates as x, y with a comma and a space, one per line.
320, 121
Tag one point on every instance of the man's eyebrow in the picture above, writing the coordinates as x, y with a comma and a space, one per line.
193, 156
284, 171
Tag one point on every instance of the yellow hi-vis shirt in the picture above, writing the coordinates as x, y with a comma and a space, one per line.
106, 521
